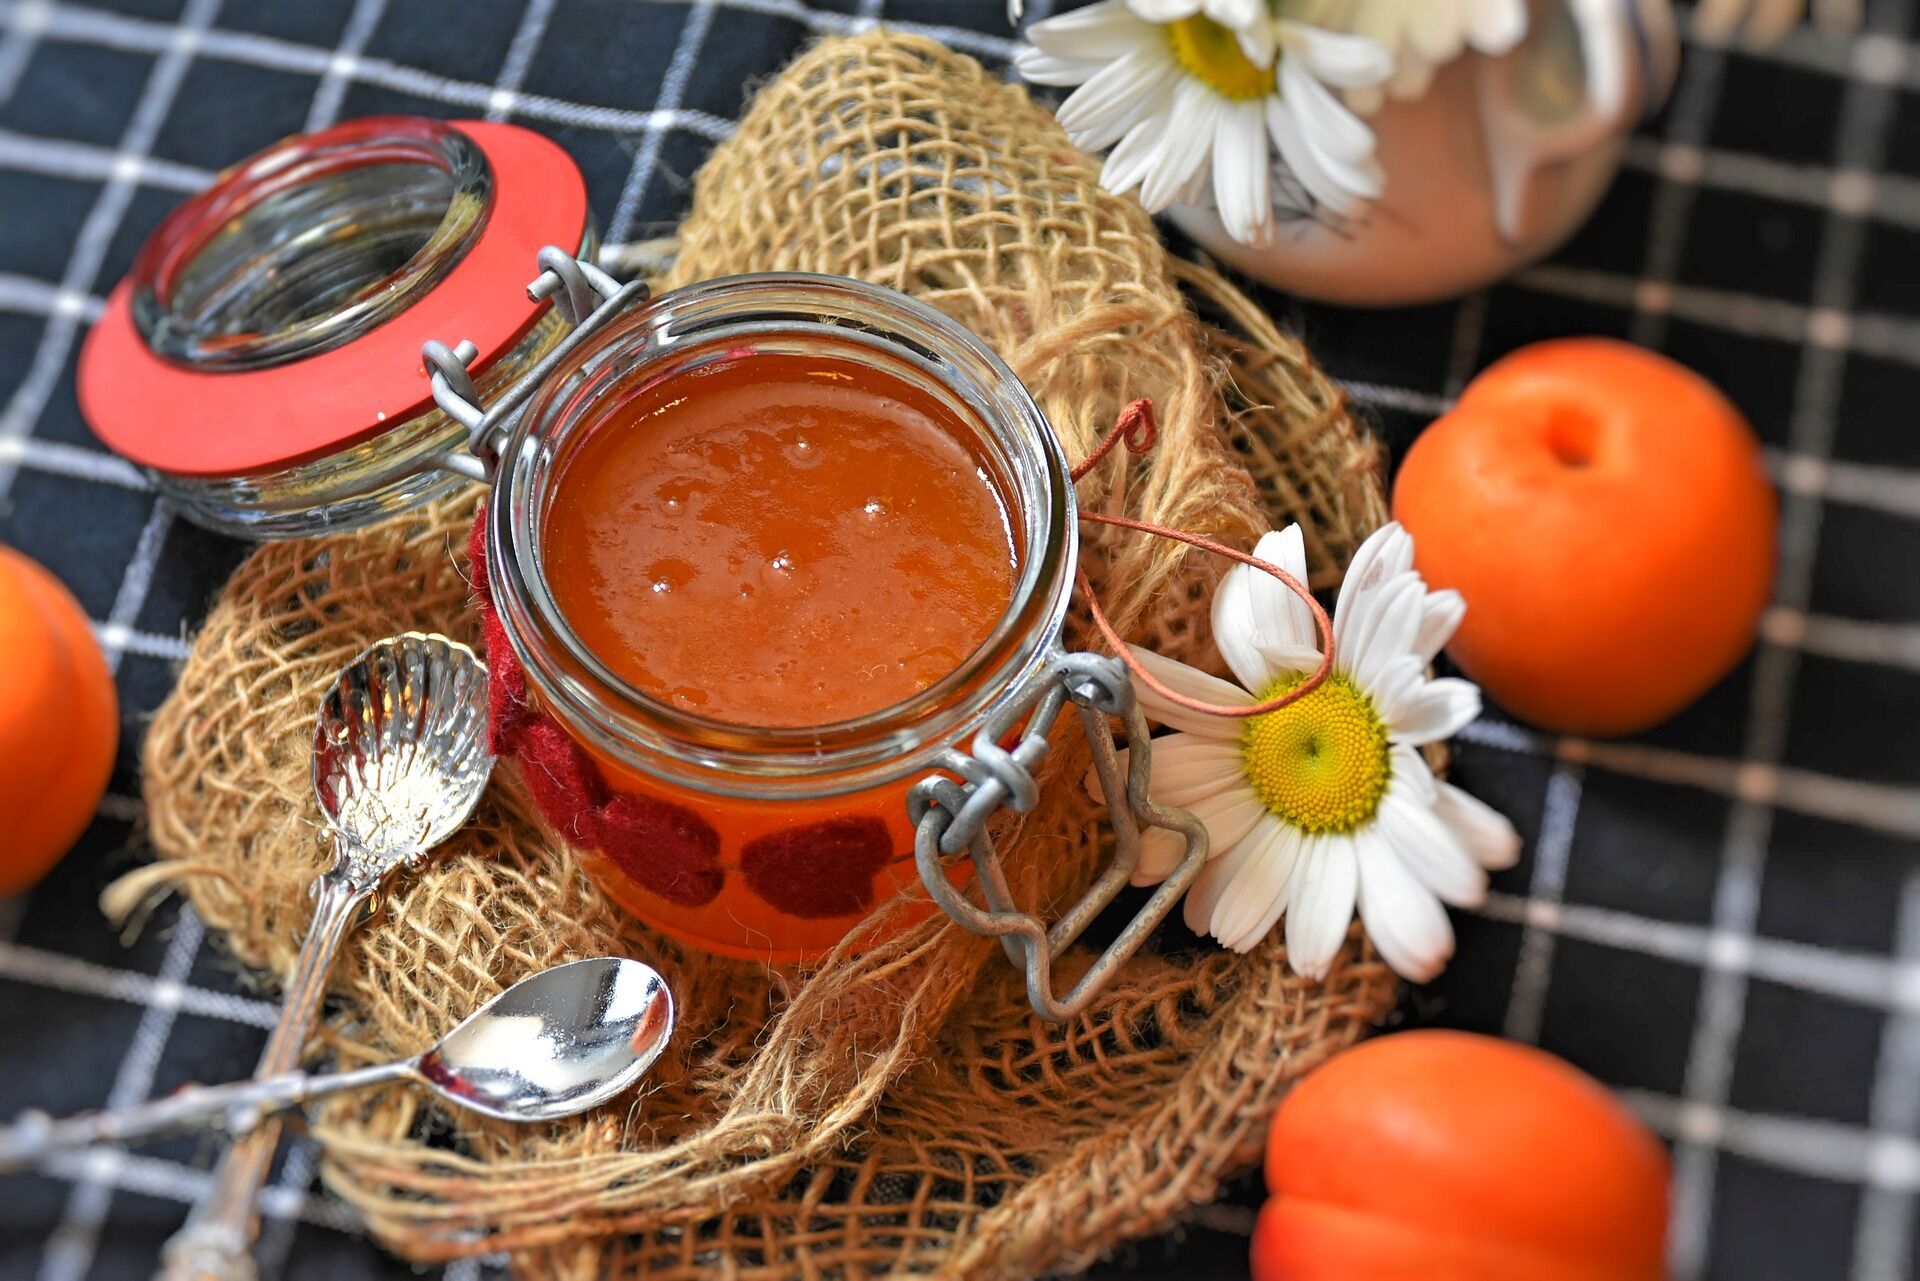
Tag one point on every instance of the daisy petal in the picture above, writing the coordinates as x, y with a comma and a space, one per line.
1189, 767
1438, 709
1440, 616
1485, 831
1281, 618
1133, 156
1191, 683
1041, 68
1431, 852
1299, 156
1385, 632
1496, 26
1387, 553
1320, 903
1402, 917
1258, 895
1395, 686
1186, 147
1236, 630
1410, 772
1337, 57
1100, 32
1240, 172
1165, 10
1228, 818
1211, 885
1237, 14
1114, 88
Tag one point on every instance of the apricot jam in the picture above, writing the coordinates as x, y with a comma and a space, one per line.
780, 540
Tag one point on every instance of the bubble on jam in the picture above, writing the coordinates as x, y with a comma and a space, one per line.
838, 541
820, 870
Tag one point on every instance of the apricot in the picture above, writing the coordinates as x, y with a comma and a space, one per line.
59, 721
1606, 514
1446, 1156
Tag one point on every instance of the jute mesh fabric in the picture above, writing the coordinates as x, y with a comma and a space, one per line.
900, 1110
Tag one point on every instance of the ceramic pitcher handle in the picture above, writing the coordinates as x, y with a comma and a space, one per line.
1575, 83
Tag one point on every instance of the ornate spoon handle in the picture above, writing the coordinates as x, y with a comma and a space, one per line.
236, 1108
217, 1241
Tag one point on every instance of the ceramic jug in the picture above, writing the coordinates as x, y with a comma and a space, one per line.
1494, 167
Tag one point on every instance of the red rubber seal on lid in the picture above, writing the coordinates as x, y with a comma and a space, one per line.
202, 422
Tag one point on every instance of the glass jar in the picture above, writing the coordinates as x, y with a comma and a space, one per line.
766, 811
260, 361
275, 363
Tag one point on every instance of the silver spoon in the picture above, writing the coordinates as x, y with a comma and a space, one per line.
555, 1044
399, 760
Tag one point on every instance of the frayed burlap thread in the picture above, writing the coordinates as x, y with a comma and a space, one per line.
900, 1111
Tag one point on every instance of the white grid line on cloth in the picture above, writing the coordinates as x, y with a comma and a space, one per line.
825, 22
121, 809
91, 242
16, 47
1831, 1150
1850, 640
85, 162
332, 91
58, 458
30, 296
1883, 1228
68, 1254
118, 638
1862, 134
525, 46
185, 1184
1887, 198
1886, 807
117, 631
1533, 970
297, 1169
1866, 979
77, 24
673, 86
1690, 116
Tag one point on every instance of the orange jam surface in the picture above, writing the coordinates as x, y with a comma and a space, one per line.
780, 540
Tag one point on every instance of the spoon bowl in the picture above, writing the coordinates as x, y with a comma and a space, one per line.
399, 746
561, 1042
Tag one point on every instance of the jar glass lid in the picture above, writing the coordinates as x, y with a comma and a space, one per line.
277, 317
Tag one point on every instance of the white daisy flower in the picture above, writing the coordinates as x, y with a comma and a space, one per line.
1425, 35
1197, 93
1325, 805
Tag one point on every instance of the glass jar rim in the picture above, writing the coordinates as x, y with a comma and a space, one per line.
243, 198
725, 757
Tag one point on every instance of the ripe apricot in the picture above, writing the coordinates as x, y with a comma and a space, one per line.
1445, 1156
59, 721
1606, 514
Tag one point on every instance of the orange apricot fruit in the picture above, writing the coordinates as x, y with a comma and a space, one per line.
1446, 1156
1606, 514
59, 721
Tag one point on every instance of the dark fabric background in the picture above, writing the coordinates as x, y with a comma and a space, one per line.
1721, 919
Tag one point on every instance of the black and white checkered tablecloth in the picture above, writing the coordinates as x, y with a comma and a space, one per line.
1721, 919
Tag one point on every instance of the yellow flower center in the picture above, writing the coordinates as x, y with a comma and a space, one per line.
1321, 764
1211, 54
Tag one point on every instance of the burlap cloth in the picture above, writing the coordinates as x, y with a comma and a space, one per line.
900, 1110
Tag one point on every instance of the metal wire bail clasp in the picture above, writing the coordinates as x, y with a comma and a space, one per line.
584, 295
950, 820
